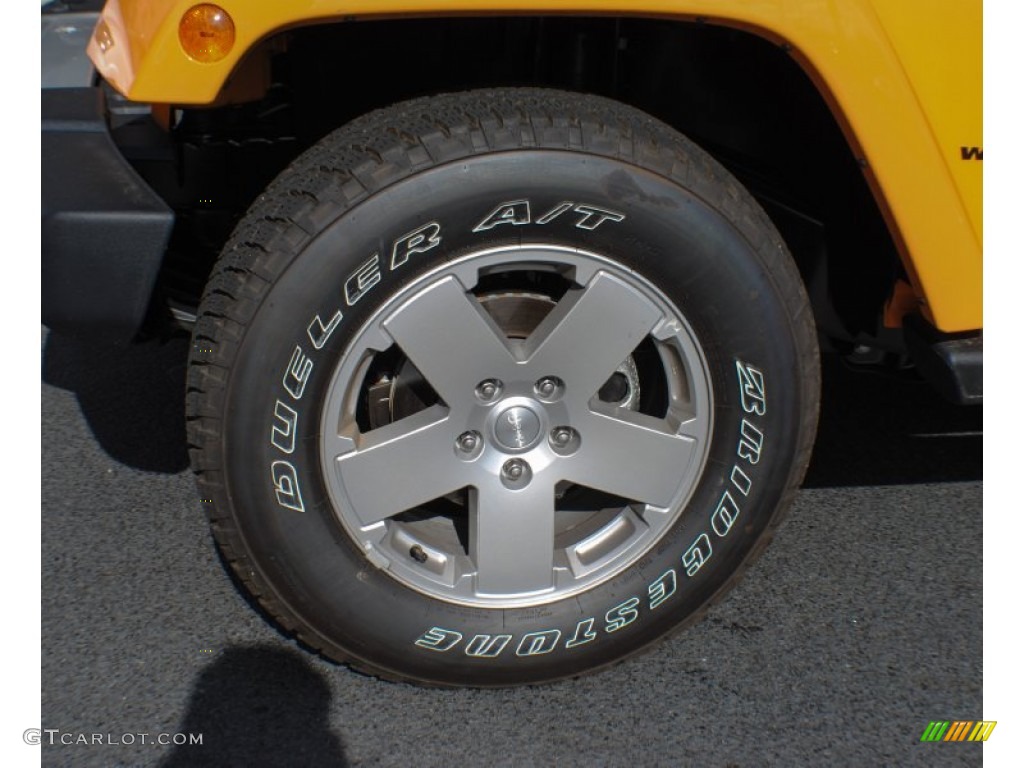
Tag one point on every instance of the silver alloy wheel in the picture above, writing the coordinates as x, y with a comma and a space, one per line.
465, 498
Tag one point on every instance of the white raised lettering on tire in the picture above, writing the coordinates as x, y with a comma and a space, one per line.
698, 554
621, 615
515, 212
323, 332
584, 634
286, 486
282, 434
487, 646
662, 589
438, 639
725, 514
362, 280
419, 240
538, 643
751, 440
593, 217
741, 480
555, 212
297, 373
752, 396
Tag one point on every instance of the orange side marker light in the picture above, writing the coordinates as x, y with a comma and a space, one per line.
207, 33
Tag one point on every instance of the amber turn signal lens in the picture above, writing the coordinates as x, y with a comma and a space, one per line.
206, 33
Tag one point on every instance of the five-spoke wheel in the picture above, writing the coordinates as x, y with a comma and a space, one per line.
519, 483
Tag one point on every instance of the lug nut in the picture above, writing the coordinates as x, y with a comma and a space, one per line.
548, 387
564, 441
468, 441
516, 474
561, 436
514, 469
488, 390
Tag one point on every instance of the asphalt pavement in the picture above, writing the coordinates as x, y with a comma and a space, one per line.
860, 624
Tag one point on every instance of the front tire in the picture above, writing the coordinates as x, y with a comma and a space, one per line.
499, 388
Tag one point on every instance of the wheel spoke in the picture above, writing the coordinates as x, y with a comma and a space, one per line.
633, 456
400, 466
512, 536
451, 339
591, 331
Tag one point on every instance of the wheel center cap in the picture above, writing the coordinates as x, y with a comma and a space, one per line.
517, 427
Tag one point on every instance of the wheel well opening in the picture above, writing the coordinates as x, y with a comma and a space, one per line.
742, 98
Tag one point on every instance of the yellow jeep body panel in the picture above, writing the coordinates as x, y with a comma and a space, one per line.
903, 77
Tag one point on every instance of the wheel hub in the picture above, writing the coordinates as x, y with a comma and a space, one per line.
517, 428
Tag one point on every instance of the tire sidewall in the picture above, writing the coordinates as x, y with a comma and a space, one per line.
705, 257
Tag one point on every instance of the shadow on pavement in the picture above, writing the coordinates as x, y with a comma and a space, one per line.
880, 429
255, 707
131, 395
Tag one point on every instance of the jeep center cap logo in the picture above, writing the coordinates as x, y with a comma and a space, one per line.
517, 427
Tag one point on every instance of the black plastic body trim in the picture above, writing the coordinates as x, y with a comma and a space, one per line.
952, 363
104, 231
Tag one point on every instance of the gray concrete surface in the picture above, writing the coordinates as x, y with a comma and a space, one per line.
860, 624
